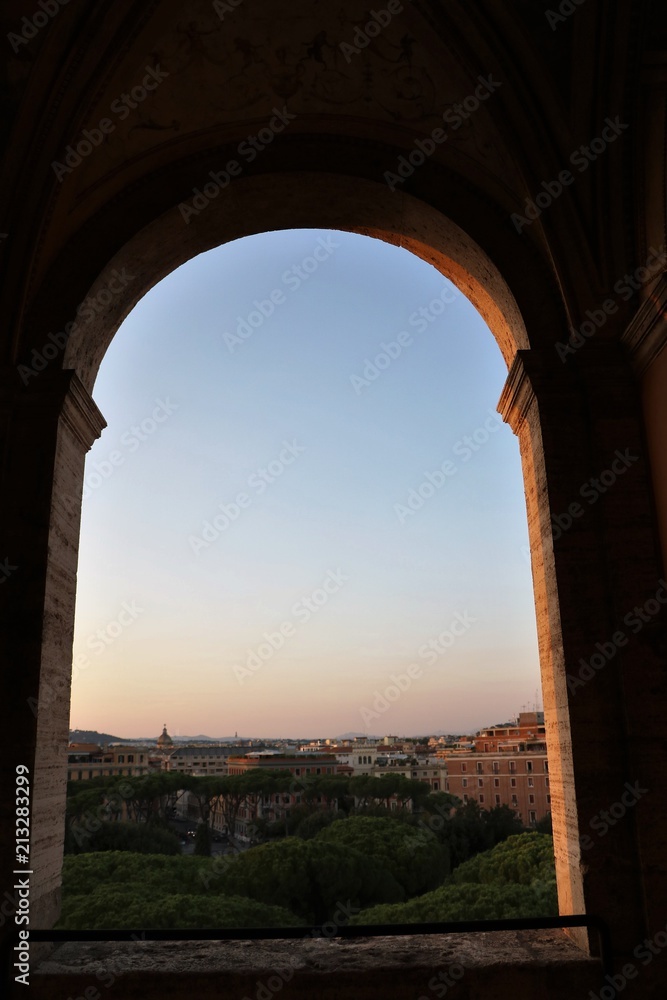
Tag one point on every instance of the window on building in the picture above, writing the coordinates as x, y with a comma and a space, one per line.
497, 798
529, 765
481, 798
514, 800
496, 782
496, 767
480, 767
548, 799
465, 798
464, 767
464, 782
130, 758
531, 799
297, 771
546, 765
480, 782
532, 816
121, 758
530, 782
513, 782
512, 766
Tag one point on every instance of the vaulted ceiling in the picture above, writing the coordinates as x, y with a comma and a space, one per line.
353, 102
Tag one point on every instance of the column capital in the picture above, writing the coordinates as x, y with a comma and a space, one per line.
61, 394
518, 393
600, 368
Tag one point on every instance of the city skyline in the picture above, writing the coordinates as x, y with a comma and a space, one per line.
303, 468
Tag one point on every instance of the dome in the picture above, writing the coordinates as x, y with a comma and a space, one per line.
165, 740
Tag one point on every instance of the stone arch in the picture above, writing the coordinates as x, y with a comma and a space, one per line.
333, 201
293, 201
548, 404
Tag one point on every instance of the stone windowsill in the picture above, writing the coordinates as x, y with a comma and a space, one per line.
526, 964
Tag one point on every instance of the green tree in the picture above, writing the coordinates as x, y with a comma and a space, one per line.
144, 838
544, 825
516, 878
416, 864
468, 901
128, 907
309, 877
520, 860
155, 873
203, 840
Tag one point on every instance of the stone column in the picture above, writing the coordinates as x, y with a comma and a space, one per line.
48, 426
595, 558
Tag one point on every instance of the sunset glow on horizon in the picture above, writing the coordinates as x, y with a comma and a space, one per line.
305, 516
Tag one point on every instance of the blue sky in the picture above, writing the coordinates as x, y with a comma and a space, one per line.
252, 456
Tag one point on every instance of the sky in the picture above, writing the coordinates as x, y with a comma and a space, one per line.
305, 516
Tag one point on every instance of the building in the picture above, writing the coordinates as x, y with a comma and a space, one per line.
86, 761
519, 780
209, 758
527, 733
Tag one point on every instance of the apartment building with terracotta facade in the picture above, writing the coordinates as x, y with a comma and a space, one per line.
508, 766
